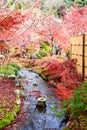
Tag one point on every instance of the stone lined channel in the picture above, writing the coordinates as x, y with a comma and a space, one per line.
39, 119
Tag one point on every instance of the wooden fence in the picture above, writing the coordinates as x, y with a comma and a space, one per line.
78, 50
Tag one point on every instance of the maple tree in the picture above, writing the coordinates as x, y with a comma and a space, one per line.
51, 28
47, 28
71, 22
63, 76
74, 22
30, 30
9, 22
35, 26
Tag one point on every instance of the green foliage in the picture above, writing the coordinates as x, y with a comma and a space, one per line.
80, 3
41, 54
9, 117
55, 108
4, 122
10, 69
59, 114
78, 103
17, 108
1, 110
44, 50
69, 2
21, 4
15, 65
10, 3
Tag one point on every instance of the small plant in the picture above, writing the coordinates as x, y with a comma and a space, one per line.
77, 104
10, 69
55, 108
58, 113
44, 50
9, 117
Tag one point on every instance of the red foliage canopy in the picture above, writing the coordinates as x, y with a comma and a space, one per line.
62, 75
9, 22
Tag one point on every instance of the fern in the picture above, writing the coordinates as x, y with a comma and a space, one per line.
78, 103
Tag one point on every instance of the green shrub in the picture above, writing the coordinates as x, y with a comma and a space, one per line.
44, 50
15, 65
78, 103
10, 69
9, 117
4, 122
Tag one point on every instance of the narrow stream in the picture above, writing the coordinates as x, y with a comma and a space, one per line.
45, 118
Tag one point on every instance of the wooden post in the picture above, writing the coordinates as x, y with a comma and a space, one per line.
70, 54
83, 56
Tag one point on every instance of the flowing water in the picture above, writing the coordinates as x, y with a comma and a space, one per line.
40, 118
